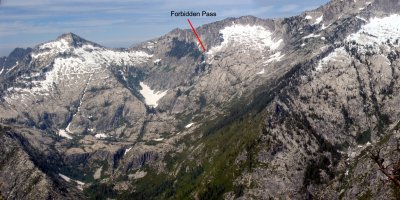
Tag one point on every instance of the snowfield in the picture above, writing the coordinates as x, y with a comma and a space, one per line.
151, 97
85, 60
246, 37
378, 31
52, 48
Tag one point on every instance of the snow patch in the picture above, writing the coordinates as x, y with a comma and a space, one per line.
377, 31
127, 150
79, 182
97, 173
308, 17
312, 35
51, 48
101, 136
338, 54
319, 20
64, 133
323, 27
138, 175
150, 45
12, 68
189, 125
66, 178
159, 139
361, 19
261, 72
275, 57
150, 96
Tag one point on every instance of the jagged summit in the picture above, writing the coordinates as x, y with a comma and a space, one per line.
75, 40
69, 35
65, 43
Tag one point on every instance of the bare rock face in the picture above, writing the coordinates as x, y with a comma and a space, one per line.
319, 130
22, 177
157, 120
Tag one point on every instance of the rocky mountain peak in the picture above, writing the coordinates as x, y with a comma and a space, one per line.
15, 55
69, 35
74, 40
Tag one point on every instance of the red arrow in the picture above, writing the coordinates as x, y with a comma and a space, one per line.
195, 32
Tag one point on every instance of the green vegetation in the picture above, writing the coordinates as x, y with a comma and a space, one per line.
365, 196
209, 173
107, 103
312, 173
131, 79
100, 191
238, 190
217, 171
3, 129
207, 167
228, 142
202, 101
77, 173
1, 195
152, 142
8, 156
169, 68
213, 192
183, 120
153, 186
364, 137
396, 191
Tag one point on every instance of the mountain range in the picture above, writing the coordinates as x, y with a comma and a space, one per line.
274, 109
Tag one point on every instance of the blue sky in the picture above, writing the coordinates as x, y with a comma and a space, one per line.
122, 23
